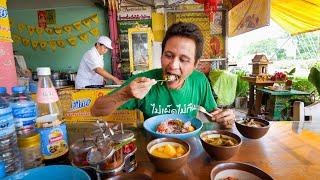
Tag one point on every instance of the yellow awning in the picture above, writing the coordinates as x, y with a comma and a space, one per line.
296, 16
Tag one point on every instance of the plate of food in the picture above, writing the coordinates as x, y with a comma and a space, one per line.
237, 171
173, 125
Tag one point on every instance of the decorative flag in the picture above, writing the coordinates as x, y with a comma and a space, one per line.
16, 38
95, 18
53, 45
25, 41
34, 44
39, 31
95, 32
84, 37
31, 30
21, 27
11, 23
49, 30
61, 43
67, 28
77, 25
86, 22
58, 30
43, 45
72, 41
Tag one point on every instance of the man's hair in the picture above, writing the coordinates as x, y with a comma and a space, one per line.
187, 30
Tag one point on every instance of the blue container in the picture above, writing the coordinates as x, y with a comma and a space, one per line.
151, 124
54, 172
2, 170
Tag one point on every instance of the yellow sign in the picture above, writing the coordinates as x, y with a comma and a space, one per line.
76, 105
248, 15
5, 34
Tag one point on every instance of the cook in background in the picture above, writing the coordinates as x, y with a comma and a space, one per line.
91, 71
181, 50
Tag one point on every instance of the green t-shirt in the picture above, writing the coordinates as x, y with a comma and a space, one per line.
162, 100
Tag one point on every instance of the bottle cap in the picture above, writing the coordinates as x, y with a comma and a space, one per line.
43, 71
18, 89
3, 89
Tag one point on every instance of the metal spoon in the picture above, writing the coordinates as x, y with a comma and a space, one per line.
203, 110
110, 130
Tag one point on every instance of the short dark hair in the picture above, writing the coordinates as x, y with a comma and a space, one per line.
188, 30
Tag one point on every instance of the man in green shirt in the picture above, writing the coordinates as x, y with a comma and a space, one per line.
181, 50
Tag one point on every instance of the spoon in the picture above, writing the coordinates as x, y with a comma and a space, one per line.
110, 130
203, 110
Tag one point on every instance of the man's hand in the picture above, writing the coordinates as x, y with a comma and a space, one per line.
224, 117
140, 87
117, 81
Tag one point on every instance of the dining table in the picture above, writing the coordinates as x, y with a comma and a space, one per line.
282, 153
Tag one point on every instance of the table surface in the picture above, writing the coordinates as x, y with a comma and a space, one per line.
283, 93
281, 153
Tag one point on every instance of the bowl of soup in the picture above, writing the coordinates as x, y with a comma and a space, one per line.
220, 144
168, 154
252, 127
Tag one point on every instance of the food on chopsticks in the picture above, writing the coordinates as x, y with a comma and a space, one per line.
168, 150
174, 126
252, 123
171, 77
220, 140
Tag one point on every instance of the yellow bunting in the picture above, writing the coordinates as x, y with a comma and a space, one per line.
16, 38
67, 28
11, 23
86, 22
21, 27
39, 31
58, 30
49, 31
84, 37
34, 44
72, 41
77, 25
53, 45
31, 29
25, 41
61, 43
43, 45
95, 32
95, 18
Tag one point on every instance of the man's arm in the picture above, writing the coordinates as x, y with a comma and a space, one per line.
107, 104
107, 75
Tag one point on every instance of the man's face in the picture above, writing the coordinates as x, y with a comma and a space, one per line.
178, 59
102, 49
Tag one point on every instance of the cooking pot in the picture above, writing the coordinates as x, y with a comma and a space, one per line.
55, 75
60, 82
71, 76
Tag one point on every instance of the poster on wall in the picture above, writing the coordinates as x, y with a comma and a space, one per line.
46, 17
5, 34
248, 15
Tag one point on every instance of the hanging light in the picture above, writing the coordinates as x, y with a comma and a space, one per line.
210, 6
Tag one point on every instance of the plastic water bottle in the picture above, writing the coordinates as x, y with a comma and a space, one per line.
9, 152
24, 110
4, 94
50, 125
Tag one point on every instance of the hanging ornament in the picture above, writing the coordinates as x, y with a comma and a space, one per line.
31, 30
58, 30
210, 7
21, 27
43, 45
25, 41
16, 38
72, 41
53, 45
84, 37
86, 22
49, 31
34, 44
39, 31
95, 18
61, 43
77, 25
67, 28
95, 32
